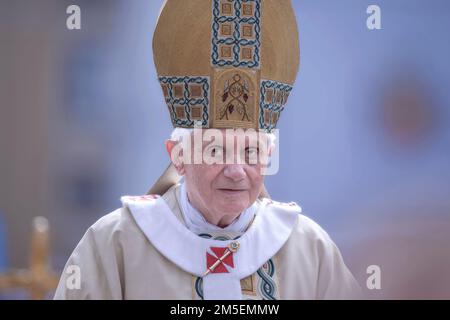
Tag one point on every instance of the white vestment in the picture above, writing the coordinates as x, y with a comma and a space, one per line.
145, 251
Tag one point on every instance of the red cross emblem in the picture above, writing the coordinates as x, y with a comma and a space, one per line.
221, 258
219, 253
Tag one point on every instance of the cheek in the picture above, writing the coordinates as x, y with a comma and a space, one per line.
203, 176
256, 178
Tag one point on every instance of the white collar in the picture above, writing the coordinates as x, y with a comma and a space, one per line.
197, 223
269, 231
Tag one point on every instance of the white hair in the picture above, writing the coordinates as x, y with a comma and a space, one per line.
179, 133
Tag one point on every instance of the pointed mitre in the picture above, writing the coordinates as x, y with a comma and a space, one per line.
226, 63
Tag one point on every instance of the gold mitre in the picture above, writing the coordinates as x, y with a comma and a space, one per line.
226, 63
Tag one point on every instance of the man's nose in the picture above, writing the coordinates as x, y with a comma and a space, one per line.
235, 172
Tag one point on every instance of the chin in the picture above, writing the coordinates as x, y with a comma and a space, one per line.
233, 208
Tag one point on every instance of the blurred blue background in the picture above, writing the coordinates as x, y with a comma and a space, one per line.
364, 140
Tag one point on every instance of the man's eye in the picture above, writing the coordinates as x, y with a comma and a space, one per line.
252, 152
216, 151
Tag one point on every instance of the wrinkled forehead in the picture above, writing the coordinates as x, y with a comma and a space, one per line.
228, 137
220, 146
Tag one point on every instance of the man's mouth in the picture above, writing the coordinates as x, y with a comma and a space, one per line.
231, 190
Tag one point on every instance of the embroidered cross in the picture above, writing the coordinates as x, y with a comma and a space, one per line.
223, 257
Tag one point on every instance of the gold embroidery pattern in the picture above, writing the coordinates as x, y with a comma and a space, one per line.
235, 97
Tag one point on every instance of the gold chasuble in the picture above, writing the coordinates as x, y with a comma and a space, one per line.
144, 251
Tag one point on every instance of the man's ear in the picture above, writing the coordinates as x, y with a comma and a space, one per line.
176, 155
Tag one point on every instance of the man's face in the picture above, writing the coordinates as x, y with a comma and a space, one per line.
221, 191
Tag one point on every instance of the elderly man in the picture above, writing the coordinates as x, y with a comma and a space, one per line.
226, 68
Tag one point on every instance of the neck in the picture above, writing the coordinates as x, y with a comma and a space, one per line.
221, 222
224, 221
199, 221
